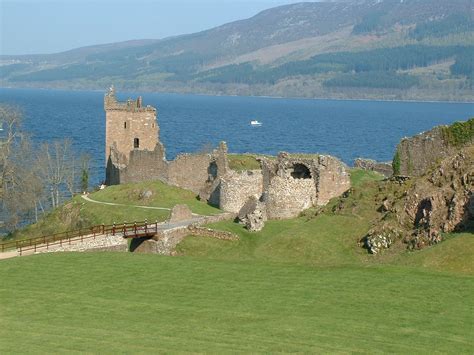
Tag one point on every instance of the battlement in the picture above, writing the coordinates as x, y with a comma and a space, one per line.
112, 104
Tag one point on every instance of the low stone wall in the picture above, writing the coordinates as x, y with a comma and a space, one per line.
196, 231
384, 168
102, 243
165, 242
226, 216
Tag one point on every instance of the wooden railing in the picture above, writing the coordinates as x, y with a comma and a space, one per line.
126, 230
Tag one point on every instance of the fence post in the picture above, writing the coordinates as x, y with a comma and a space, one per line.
113, 229
146, 226
135, 228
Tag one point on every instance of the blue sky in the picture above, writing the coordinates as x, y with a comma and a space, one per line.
48, 26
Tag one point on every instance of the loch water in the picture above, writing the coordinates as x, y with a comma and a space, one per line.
189, 123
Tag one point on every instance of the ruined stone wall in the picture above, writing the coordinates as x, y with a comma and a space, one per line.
417, 154
237, 187
190, 171
292, 184
333, 178
287, 197
101, 243
143, 165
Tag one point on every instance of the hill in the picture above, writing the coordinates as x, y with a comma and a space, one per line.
346, 49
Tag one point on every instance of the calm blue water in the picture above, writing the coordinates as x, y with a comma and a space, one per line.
346, 129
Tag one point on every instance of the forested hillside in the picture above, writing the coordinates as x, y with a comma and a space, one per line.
412, 49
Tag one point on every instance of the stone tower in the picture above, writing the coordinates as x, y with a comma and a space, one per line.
128, 126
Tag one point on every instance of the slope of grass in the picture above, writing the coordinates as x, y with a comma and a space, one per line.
455, 254
163, 195
79, 213
112, 302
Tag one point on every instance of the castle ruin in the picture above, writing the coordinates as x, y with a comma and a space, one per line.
283, 186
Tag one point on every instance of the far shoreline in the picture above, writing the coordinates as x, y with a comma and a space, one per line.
127, 91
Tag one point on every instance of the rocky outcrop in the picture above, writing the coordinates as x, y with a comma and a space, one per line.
380, 238
419, 210
441, 201
384, 168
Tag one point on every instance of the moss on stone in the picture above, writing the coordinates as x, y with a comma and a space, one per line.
459, 133
241, 162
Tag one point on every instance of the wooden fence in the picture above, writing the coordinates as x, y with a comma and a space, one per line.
126, 230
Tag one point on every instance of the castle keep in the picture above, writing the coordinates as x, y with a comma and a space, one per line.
128, 126
282, 188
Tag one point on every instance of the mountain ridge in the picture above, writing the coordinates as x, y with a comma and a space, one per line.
275, 38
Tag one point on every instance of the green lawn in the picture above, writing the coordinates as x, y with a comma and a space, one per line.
162, 196
299, 285
116, 303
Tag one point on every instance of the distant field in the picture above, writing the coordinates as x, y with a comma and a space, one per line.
112, 302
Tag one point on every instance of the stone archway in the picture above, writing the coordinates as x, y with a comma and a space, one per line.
300, 171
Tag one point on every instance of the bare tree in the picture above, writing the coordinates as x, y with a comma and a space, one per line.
21, 187
56, 166
33, 180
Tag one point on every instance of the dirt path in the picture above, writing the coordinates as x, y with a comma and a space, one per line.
88, 199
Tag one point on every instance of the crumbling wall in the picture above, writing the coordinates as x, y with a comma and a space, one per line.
292, 184
237, 187
287, 197
417, 154
190, 171
143, 165
384, 168
333, 178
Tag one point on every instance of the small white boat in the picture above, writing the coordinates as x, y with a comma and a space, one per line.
255, 123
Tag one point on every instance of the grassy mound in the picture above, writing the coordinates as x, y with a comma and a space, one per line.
112, 302
79, 213
162, 195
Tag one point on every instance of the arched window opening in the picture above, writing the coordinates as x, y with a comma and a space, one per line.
136, 143
301, 171
125, 125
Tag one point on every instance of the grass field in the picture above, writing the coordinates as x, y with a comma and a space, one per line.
299, 285
112, 302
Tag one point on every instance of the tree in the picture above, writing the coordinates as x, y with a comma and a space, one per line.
56, 165
21, 188
85, 162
